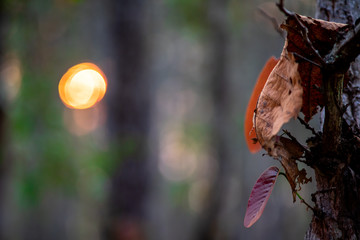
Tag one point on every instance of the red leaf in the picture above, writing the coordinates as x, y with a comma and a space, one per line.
250, 134
260, 195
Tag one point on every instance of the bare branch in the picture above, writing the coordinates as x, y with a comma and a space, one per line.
306, 59
281, 7
273, 21
287, 133
303, 201
307, 126
345, 51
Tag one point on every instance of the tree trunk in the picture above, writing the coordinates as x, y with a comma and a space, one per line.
128, 121
2, 119
337, 169
210, 226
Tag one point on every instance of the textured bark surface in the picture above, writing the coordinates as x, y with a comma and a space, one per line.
334, 158
344, 11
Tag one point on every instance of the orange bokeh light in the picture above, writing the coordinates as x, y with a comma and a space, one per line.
82, 86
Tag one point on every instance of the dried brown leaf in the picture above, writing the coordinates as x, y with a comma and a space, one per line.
322, 35
295, 150
295, 84
280, 100
289, 151
250, 135
295, 176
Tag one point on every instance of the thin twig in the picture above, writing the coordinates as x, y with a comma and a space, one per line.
303, 29
297, 194
307, 126
303, 201
280, 5
345, 51
305, 34
295, 140
290, 135
273, 21
307, 60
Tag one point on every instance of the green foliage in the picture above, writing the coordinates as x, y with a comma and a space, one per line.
46, 157
191, 14
237, 14
196, 135
179, 193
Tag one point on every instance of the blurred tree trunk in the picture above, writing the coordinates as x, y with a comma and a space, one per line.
210, 223
2, 117
128, 121
337, 201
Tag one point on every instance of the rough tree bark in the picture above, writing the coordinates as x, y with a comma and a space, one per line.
336, 165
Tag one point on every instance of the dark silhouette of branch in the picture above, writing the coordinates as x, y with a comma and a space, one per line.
345, 51
273, 22
281, 7
307, 126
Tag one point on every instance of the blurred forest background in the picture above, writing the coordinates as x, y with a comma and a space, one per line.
163, 156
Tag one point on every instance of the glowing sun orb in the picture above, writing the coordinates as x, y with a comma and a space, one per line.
82, 86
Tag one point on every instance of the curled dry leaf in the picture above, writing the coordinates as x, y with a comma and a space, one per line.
289, 151
250, 135
294, 176
280, 100
260, 195
322, 35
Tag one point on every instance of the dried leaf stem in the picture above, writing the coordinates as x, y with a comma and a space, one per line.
298, 195
307, 126
304, 202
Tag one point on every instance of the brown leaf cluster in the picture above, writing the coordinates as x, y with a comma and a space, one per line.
282, 99
279, 101
294, 85
290, 151
322, 35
